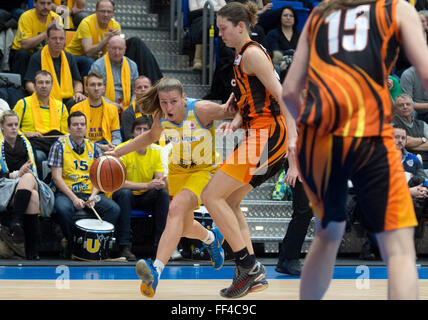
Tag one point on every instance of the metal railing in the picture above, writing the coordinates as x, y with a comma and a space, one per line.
208, 6
176, 29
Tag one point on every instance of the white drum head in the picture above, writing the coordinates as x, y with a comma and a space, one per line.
94, 225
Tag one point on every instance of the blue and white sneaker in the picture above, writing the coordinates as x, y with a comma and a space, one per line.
215, 249
149, 277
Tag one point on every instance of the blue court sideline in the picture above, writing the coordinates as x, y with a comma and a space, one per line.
171, 272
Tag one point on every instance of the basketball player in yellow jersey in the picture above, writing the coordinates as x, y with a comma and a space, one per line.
344, 132
188, 125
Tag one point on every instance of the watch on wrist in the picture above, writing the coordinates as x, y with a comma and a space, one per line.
424, 139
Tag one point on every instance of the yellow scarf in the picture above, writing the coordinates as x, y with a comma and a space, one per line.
85, 107
39, 124
68, 23
66, 89
125, 74
96, 32
137, 113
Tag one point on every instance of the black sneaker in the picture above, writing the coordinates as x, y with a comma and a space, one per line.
292, 267
246, 281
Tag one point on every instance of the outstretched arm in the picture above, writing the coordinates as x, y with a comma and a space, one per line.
143, 140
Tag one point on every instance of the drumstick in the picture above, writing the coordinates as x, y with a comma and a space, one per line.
96, 199
96, 213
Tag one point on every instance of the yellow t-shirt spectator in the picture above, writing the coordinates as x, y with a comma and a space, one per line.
141, 168
30, 26
101, 120
26, 119
89, 29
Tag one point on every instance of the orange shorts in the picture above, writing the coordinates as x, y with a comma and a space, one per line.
261, 154
373, 164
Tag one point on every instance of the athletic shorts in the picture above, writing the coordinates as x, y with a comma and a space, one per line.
261, 154
373, 164
193, 181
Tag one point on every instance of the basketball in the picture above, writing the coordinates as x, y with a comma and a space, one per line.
108, 173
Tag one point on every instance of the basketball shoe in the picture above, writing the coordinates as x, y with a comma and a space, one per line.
246, 281
149, 277
215, 249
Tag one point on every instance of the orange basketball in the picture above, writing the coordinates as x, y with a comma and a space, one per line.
108, 173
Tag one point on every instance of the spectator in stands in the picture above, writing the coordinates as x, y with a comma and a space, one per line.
75, 12
394, 87
424, 22
21, 190
31, 34
67, 83
141, 85
91, 37
103, 125
74, 190
412, 85
145, 187
41, 116
411, 162
195, 31
417, 130
282, 41
119, 73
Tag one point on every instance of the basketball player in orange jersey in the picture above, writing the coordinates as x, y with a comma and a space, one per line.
268, 125
188, 125
343, 59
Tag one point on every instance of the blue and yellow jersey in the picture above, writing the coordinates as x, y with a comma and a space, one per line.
193, 146
76, 167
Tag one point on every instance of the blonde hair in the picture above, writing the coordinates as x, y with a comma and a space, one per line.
236, 12
326, 7
7, 113
149, 102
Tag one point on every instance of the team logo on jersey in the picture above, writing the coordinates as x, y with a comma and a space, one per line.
410, 162
238, 59
233, 82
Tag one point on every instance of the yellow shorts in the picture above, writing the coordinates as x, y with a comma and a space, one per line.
193, 181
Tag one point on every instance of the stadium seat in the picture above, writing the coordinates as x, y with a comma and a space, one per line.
302, 16
279, 4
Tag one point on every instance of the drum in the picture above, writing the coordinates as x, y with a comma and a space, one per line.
93, 239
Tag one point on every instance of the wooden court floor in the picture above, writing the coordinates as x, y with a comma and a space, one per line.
285, 289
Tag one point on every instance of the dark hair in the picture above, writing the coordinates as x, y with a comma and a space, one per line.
397, 126
54, 27
44, 73
144, 119
296, 20
75, 114
95, 74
